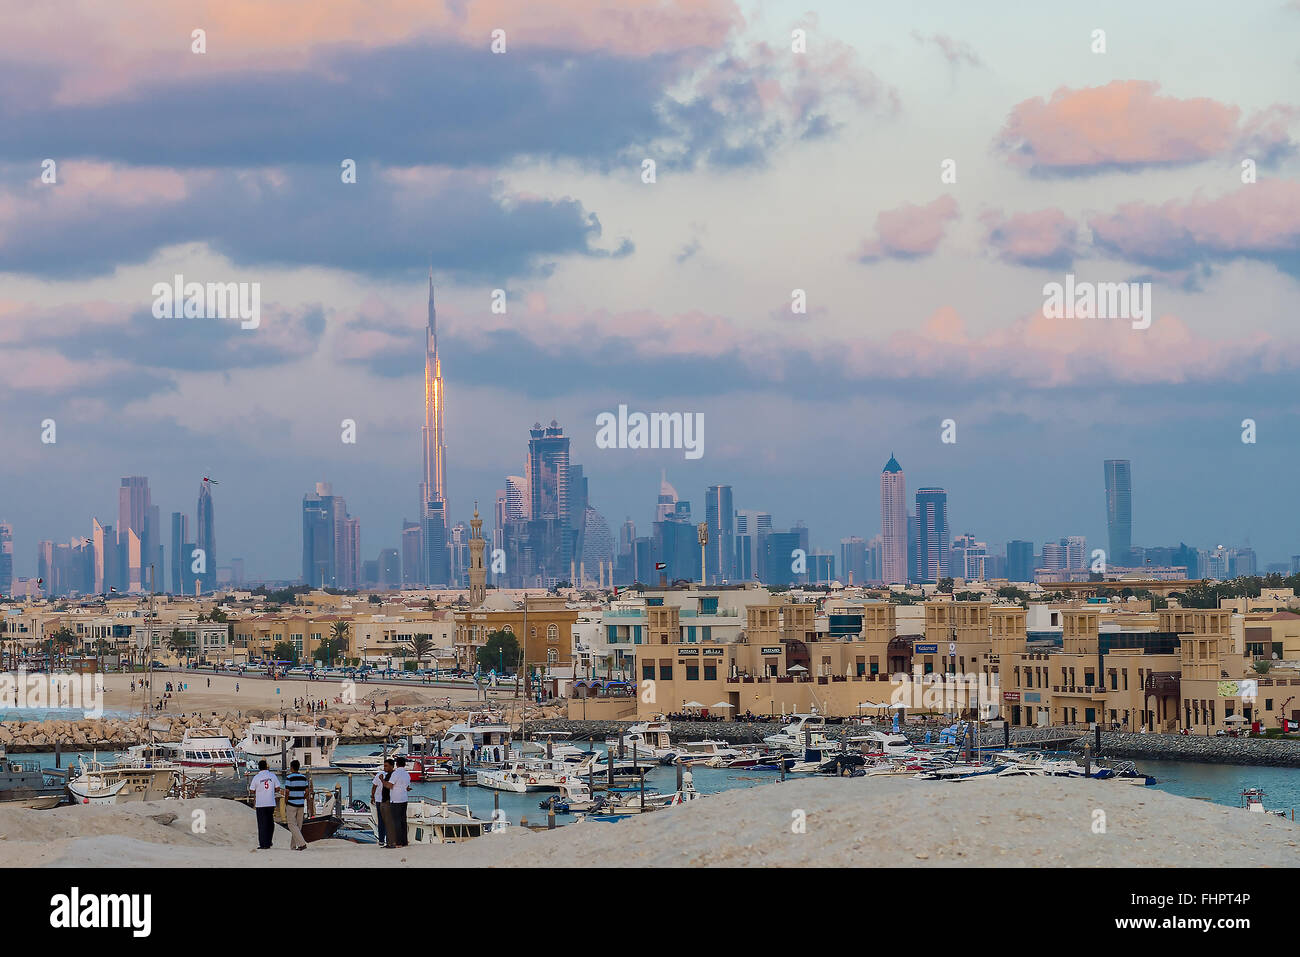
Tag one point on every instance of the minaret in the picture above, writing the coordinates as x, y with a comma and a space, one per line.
477, 573
433, 490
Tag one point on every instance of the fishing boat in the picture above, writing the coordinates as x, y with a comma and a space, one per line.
280, 742
1252, 799
23, 781
144, 779
91, 789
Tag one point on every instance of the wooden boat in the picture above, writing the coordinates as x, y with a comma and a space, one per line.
91, 789
35, 803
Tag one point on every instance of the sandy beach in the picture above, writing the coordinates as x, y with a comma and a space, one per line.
862, 822
208, 692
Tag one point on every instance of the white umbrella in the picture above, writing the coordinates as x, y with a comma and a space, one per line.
721, 704
897, 705
692, 704
796, 668
869, 704
1234, 719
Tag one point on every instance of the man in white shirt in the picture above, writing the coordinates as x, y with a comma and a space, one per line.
265, 788
399, 785
377, 796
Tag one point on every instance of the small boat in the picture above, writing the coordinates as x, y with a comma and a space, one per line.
203, 751
34, 803
1125, 773
571, 797
651, 739
706, 751
1252, 799
89, 789
23, 780
792, 736
436, 822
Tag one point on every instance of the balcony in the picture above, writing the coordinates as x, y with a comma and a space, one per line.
1161, 683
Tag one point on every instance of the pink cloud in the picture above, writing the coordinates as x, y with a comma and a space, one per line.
1042, 237
1124, 123
1258, 219
909, 231
100, 50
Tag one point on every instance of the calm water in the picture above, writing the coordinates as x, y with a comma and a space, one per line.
1218, 783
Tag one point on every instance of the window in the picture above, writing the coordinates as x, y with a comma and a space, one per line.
665, 671
552, 633
710, 673
648, 671
552, 656
692, 672
706, 632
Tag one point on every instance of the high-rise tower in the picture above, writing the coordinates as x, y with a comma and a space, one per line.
1119, 511
206, 538
433, 489
893, 523
933, 536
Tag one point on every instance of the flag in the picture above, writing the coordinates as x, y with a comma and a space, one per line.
112, 589
660, 566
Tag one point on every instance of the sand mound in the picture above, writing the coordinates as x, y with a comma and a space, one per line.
863, 822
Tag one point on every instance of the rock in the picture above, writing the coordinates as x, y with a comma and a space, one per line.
163, 819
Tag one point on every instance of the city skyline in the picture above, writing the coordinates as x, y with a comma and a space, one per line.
917, 202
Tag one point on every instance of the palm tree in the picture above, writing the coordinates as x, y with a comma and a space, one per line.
60, 641
339, 632
421, 646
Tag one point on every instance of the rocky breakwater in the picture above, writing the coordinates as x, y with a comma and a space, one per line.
109, 734
1263, 752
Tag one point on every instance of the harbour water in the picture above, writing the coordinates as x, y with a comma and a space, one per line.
1217, 783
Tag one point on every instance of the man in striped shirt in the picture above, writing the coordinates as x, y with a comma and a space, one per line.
297, 792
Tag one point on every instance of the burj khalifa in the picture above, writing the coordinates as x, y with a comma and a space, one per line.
433, 490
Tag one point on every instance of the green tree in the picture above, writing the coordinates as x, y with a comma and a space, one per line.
284, 651
421, 647
1261, 666
945, 586
179, 643
501, 650
61, 641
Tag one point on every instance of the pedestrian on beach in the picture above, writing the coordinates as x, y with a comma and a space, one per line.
265, 787
385, 706
236, 687
386, 803
399, 786
298, 793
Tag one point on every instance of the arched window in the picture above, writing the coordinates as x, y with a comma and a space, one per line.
552, 633
552, 656
508, 629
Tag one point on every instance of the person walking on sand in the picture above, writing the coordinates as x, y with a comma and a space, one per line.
399, 785
264, 787
386, 804
376, 801
298, 793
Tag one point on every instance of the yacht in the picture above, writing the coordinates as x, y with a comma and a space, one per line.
204, 750
480, 729
650, 738
791, 737
279, 742
883, 742
706, 751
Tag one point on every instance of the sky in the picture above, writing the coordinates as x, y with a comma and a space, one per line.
918, 173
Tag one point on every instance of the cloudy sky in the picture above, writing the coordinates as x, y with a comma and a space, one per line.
775, 171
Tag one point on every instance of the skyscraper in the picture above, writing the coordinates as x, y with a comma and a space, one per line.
853, 559
548, 472
207, 540
433, 489
180, 560
6, 559
331, 540
933, 539
134, 511
893, 523
1020, 561
720, 515
1119, 511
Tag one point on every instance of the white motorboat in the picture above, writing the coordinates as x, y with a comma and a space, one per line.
436, 822
486, 731
524, 776
571, 797
280, 742
651, 740
792, 736
882, 742
701, 752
